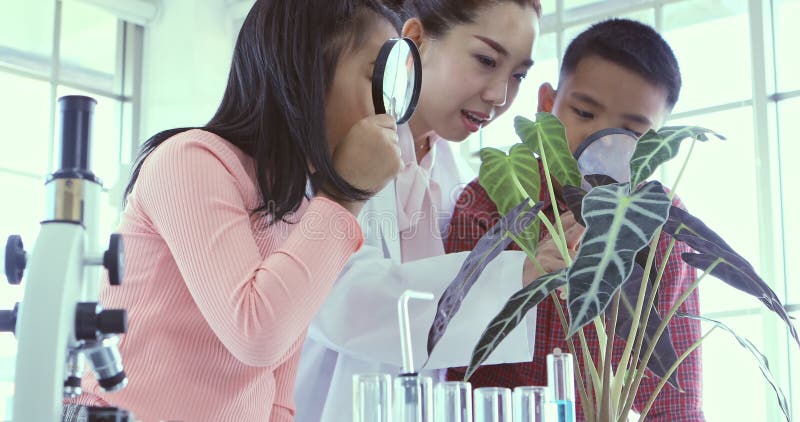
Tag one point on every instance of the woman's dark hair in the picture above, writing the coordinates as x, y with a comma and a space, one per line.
438, 16
273, 107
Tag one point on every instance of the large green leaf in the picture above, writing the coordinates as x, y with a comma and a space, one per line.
763, 364
511, 315
561, 164
509, 179
656, 148
618, 225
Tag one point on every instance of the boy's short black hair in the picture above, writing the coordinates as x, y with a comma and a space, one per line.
632, 45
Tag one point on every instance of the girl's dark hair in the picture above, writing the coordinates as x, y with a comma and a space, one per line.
273, 107
438, 16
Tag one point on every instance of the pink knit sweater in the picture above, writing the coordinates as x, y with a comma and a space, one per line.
218, 303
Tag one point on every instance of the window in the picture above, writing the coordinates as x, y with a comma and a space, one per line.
92, 54
790, 175
721, 173
721, 72
787, 33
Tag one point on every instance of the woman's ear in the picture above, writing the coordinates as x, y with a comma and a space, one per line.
413, 30
547, 97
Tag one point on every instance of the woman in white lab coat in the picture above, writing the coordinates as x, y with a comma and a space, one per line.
474, 55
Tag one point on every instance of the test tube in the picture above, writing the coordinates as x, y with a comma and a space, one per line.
413, 398
372, 398
561, 383
529, 404
453, 402
492, 404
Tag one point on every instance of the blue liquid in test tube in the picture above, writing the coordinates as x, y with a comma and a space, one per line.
561, 383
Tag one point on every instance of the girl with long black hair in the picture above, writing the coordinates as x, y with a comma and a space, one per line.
230, 247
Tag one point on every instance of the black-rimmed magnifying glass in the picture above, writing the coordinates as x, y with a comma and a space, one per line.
607, 152
397, 79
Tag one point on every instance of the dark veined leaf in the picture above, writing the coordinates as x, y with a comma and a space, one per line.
618, 225
508, 179
511, 315
664, 355
599, 180
681, 220
574, 198
560, 162
734, 270
487, 248
656, 148
763, 364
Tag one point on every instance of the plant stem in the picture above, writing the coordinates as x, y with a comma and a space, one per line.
605, 402
560, 242
531, 253
637, 379
590, 367
643, 312
622, 377
671, 370
551, 192
588, 410
600, 329
683, 168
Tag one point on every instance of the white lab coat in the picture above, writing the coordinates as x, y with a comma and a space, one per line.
356, 331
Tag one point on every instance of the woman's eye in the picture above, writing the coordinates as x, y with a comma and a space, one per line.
582, 114
520, 76
486, 61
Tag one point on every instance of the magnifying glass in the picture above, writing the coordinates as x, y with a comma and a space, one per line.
606, 152
397, 79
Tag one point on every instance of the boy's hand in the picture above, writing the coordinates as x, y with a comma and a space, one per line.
547, 253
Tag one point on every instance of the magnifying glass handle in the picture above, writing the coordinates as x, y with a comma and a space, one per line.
393, 107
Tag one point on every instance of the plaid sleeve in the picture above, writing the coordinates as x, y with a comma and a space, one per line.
474, 214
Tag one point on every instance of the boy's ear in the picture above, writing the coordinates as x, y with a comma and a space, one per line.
547, 97
413, 29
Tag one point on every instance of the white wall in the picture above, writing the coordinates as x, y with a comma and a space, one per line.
187, 52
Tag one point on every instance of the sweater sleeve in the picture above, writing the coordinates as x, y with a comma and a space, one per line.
283, 408
193, 192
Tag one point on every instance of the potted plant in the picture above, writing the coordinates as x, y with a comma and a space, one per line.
613, 281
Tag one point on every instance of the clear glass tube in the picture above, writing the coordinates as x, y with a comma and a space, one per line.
453, 402
372, 398
529, 404
561, 380
413, 398
492, 404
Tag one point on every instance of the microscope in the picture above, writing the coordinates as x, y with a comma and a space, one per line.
59, 324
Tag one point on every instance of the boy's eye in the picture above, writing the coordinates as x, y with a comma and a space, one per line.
486, 61
582, 113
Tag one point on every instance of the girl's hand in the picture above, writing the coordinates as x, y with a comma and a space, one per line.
368, 157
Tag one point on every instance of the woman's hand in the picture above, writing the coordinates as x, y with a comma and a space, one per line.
548, 254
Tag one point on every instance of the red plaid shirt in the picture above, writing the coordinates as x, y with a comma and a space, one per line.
475, 214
